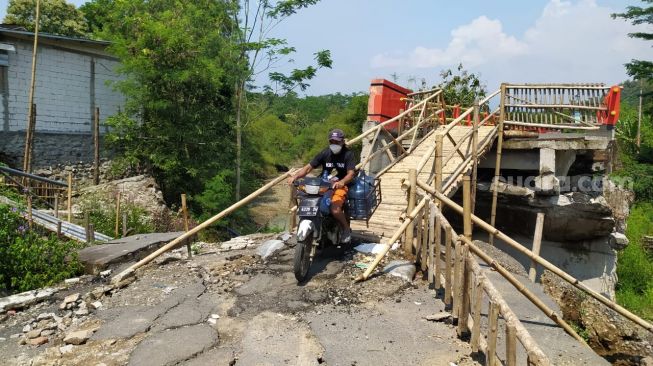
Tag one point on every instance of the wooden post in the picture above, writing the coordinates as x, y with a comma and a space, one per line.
493, 321
511, 345
476, 121
70, 197
497, 165
58, 229
91, 233
537, 243
56, 205
96, 151
117, 214
184, 211
29, 209
412, 197
86, 227
124, 224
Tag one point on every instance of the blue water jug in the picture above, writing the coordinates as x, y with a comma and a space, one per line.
325, 203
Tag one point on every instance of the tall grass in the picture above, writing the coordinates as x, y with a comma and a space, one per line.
635, 265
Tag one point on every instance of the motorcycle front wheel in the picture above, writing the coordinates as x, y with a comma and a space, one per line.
302, 261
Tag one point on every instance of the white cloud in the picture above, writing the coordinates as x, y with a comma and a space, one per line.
472, 44
570, 42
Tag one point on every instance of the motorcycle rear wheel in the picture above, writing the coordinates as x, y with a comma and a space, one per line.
302, 260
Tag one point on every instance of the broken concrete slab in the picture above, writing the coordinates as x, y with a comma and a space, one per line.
279, 340
19, 301
98, 257
156, 350
401, 268
270, 247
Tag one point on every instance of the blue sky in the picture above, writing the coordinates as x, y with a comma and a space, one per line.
504, 41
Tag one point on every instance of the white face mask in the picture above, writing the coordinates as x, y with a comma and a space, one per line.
335, 148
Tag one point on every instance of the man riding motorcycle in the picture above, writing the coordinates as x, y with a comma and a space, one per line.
337, 156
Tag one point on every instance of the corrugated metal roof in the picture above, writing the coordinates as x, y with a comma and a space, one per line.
13, 31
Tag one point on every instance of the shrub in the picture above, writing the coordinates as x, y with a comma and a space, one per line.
102, 214
30, 261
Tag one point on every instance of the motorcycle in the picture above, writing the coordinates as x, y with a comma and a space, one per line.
317, 228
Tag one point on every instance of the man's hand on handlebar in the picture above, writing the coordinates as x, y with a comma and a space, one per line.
338, 184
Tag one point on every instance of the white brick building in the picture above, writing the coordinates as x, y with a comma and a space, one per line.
72, 78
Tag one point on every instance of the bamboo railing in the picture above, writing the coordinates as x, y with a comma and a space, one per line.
555, 106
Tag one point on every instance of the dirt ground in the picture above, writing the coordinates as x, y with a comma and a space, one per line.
232, 308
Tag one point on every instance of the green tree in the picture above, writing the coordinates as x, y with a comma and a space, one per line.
178, 63
639, 69
259, 53
57, 17
461, 86
96, 13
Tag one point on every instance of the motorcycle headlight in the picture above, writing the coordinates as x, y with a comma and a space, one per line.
311, 189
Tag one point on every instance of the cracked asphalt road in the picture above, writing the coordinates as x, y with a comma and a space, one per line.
231, 308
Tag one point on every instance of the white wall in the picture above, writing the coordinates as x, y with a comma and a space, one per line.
64, 89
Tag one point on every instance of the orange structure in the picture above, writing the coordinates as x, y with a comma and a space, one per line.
387, 99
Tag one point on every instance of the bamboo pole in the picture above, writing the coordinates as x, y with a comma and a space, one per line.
437, 182
448, 289
510, 317
70, 197
541, 261
511, 345
476, 121
184, 211
476, 314
497, 166
30, 102
426, 214
553, 126
117, 214
187, 235
435, 248
412, 197
493, 319
96, 149
409, 218
537, 242
457, 281
465, 277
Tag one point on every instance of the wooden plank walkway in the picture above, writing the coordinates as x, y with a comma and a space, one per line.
387, 217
